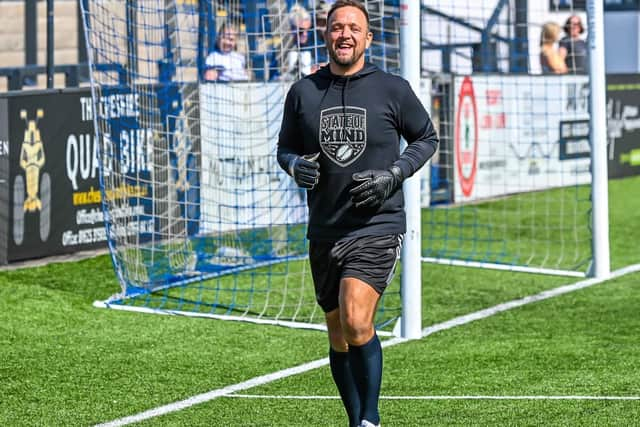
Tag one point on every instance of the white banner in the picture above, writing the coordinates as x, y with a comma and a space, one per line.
242, 185
517, 134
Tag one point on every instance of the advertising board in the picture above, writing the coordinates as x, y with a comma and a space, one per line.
623, 124
517, 134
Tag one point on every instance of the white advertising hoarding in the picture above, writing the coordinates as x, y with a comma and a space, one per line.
242, 185
517, 134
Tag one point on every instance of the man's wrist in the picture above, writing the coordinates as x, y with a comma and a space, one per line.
397, 175
291, 164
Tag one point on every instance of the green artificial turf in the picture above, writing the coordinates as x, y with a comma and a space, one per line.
64, 362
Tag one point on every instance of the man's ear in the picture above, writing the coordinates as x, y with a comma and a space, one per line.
369, 39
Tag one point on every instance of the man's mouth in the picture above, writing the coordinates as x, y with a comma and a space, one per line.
344, 48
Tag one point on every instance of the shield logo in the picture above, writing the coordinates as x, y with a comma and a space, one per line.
343, 133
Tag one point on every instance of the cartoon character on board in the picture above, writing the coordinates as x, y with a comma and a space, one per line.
36, 185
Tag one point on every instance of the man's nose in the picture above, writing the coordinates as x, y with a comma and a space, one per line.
346, 32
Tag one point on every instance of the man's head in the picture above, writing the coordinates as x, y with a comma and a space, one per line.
352, 3
300, 22
347, 36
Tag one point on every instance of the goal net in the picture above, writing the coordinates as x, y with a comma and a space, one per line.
202, 221
510, 185
188, 100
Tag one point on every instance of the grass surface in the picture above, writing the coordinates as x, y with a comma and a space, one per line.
64, 362
546, 229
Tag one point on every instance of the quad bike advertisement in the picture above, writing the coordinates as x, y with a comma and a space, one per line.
51, 201
47, 162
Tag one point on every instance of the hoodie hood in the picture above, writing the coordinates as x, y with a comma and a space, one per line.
341, 83
369, 68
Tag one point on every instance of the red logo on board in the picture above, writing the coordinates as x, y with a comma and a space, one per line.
466, 136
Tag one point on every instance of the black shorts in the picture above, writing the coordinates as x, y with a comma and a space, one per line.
371, 259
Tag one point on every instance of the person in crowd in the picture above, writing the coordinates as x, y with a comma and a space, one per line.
225, 63
297, 58
551, 59
572, 47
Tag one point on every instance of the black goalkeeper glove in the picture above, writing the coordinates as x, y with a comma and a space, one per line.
376, 187
305, 170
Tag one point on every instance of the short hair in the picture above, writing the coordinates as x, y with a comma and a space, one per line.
297, 15
344, 3
567, 24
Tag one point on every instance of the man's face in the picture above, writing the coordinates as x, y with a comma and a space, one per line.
347, 37
302, 30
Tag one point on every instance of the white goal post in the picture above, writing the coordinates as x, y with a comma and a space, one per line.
598, 132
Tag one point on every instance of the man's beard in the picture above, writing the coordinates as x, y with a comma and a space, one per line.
345, 61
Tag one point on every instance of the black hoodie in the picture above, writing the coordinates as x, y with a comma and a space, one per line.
355, 122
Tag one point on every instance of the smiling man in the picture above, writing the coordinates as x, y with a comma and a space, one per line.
340, 140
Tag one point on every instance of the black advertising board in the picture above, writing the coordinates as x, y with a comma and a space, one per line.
53, 172
50, 197
623, 124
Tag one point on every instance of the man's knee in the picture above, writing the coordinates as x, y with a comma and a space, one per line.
357, 329
358, 303
334, 329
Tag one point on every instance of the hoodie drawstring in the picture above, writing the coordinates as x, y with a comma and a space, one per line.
344, 101
324, 95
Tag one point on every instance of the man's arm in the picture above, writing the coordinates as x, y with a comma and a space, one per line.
376, 186
303, 168
417, 129
290, 137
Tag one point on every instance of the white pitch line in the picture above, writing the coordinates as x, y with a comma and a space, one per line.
264, 379
487, 312
444, 397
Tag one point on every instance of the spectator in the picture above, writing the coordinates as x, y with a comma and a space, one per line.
297, 49
225, 63
551, 59
573, 47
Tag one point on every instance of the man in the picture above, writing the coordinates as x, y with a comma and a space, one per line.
340, 139
572, 47
298, 60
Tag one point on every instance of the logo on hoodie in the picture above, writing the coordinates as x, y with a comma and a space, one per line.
343, 133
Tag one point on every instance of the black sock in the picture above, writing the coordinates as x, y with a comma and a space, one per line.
366, 365
342, 376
